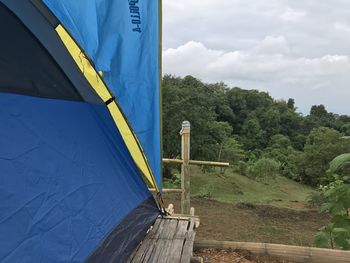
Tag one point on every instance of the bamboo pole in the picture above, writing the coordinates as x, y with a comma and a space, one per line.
167, 190
193, 162
174, 161
185, 167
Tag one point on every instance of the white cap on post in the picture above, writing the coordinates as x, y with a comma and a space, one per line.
186, 124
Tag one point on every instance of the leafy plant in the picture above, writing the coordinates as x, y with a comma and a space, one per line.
315, 200
173, 182
241, 168
264, 169
337, 233
206, 191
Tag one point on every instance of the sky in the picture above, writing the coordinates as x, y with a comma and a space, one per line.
290, 48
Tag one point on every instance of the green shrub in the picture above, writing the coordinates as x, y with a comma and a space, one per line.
315, 200
206, 191
264, 169
173, 182
241, 168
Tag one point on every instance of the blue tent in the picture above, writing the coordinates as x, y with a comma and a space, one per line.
71, 175
121, 38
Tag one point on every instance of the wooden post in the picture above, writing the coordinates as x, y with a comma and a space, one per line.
185, 167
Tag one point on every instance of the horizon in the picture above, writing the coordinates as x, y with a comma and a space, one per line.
273, 97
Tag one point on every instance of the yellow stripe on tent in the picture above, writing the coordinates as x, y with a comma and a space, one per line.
101, 89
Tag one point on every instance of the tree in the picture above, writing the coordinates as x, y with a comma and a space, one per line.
253, 136
281, 150
190, 99
231, 151
322, 145
319, 111
263, 127
291, 104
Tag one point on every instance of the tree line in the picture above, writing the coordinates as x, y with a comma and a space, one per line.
259, 135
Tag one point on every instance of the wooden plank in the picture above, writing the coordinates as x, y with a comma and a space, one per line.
197, 260
167, 190
175, 253
157, 234
187, 250
188, 245
159, 245
150, 249
155, 228
170, 229
170, 240
181, 217
142, 251
164, 241
150, 246
185, 217
178, 243
185, 167
181, 230
293, 253
146, 245
169, 255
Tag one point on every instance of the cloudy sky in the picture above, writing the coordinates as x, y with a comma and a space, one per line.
290, 48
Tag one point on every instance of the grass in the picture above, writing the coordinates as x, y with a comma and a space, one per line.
236, 208
233, 188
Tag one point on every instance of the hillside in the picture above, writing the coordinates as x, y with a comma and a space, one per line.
233, 188
234, 207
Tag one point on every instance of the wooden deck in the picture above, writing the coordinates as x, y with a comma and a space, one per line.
169, 240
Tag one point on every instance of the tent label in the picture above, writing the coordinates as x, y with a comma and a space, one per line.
135, 15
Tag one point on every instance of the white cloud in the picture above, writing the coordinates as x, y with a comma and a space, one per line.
291, 15
272, 45
275, 71
342, 27
214, 65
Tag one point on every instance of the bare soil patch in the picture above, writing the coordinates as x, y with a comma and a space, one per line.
254, 223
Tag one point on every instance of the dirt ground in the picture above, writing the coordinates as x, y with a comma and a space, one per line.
251, 223
225, 256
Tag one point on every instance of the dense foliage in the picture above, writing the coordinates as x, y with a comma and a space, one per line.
337, 202
250, 129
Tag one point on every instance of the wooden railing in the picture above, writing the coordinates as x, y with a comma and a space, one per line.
185, 163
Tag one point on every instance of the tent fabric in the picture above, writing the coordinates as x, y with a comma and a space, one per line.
121, 38
101, 89
22, 76
29, 16
119, 244
67, 180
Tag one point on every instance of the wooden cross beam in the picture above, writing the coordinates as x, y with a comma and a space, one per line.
185, 167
